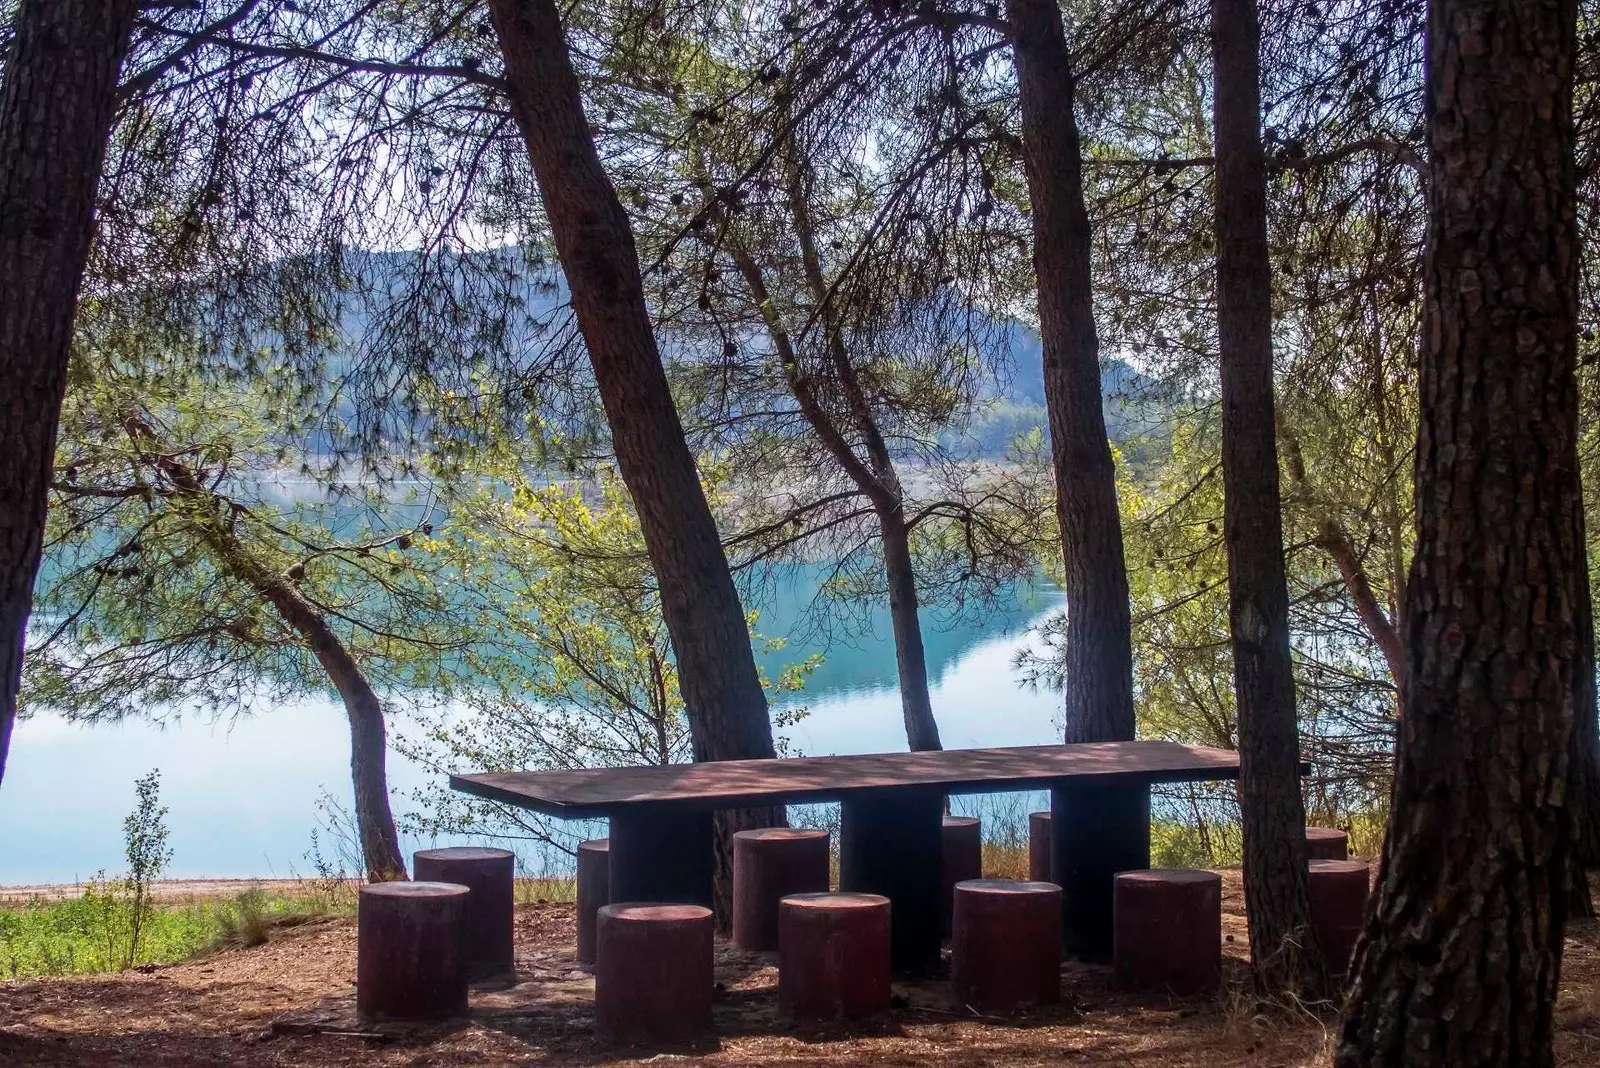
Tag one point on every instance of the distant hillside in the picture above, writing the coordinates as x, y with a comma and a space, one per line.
517, 317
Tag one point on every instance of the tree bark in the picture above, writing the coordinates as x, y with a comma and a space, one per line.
722, 695
380, 843
716, 666
1584, 783
1461, 955
1272, 809
57, 104
916, 705
1099, 645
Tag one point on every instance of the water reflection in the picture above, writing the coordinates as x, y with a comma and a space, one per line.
242, 795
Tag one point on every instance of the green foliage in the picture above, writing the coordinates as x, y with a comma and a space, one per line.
144, 834
84, 935
532, 605
116, 924
248, 922
176, 502
70, 937
571, 664
112, 925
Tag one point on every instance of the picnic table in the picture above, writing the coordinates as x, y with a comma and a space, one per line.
892, 808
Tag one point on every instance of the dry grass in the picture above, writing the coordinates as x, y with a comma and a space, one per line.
220, 1009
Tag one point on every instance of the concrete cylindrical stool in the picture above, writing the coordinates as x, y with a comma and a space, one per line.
653, 972
1006, 948
768, 865
594, 890
962, 860
1039, 846
490, 874
833, 956
410, 959
1338, 891
1327, 843
1167, 930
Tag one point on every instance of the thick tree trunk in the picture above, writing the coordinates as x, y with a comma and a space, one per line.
1461, 955
722, 695
57, 103
1099, 646
1258, 597
922, 733
716, 666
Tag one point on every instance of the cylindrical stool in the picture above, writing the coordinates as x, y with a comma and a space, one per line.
1338, 891
768, 865
1327, 843
1039, 846
1006, 949
490, 874
962, 860
410, 960
1167, 930
594, 890
833, 956
653, 972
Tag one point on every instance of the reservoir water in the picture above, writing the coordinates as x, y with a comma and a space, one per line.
242, 794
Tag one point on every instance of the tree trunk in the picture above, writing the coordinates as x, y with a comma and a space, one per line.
369, 753
716, 666
1584, 782
57, 103
380, 844
722, 694
1099, 646
1333, 538
1461, 955
877, 477
1271, 805
878, 481
922, 733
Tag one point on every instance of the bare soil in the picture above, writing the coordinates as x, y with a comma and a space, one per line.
168, 890
289, 1003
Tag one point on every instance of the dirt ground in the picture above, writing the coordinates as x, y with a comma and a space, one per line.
289, 1003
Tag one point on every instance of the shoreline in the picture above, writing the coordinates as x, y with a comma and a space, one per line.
166, 889
180, 891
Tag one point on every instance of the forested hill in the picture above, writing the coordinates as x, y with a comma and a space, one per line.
514, 314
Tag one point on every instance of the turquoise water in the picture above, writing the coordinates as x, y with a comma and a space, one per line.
242, 794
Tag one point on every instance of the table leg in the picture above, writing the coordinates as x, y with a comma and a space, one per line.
1096, 831
890, 843
662, 855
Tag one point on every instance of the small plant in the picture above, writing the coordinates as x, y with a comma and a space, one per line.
112, 918
144, 836
247, 923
